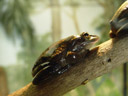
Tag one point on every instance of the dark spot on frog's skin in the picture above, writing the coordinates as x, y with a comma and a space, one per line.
109, 60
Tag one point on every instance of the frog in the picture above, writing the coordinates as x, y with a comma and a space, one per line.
119, 22
61, 56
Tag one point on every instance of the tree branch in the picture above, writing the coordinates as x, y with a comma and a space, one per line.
102, 59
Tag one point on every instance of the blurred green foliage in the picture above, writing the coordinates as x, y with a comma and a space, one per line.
14, 18
101, 23
20, 74
15, 11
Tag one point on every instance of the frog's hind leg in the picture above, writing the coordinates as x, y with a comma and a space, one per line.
42, 76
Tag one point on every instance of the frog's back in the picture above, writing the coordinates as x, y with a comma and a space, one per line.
43, 65
50, 51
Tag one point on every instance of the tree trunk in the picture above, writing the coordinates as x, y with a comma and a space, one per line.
3, 83
56, 20
75, 20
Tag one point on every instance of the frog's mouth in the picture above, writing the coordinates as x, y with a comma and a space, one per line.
94, 38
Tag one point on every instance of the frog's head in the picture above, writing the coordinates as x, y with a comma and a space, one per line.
84, 41
88, 40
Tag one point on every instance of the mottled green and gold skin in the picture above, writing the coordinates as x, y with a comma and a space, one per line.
59, 57
119, 22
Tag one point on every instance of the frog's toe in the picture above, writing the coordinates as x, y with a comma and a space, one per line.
85, 82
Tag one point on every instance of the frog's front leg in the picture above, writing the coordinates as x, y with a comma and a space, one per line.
71, 55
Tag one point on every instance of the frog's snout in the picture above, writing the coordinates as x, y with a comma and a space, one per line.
94, 38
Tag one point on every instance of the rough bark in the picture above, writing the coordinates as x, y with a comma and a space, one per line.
102, 59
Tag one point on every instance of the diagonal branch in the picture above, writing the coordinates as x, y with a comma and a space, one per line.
101, 60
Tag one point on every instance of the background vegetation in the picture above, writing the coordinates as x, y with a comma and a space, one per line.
16, 23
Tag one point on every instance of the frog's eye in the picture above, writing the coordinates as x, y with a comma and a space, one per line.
86, 34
